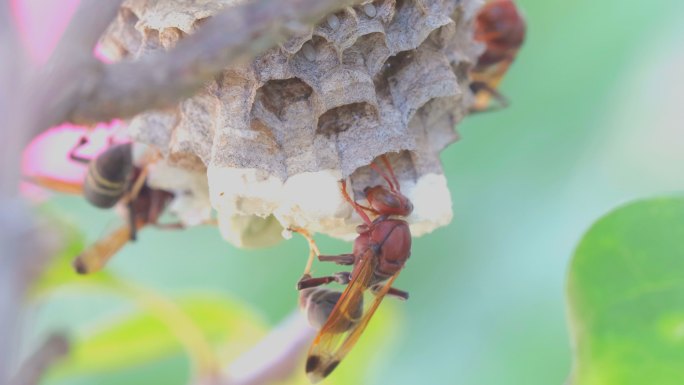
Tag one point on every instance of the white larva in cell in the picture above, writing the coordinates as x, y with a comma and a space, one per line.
309, 52
369, 10
333, 21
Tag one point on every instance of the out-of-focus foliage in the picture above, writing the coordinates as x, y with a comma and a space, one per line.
59, 271
626, 297
200, 323
199, 332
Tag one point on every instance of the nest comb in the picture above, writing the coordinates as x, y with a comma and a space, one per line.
266, 143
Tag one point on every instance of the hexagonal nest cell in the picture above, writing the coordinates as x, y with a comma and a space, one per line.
340, 119
267, 142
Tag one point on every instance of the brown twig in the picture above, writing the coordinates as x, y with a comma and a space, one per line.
121, 90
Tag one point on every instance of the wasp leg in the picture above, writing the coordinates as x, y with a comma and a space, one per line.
342, 259
129, 199
132, 222
313, 248
372, 210
170, 226
356, 206
137, 185
306, 281
161, 226
401, 294
72, 153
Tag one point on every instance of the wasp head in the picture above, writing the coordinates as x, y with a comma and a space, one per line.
388, 202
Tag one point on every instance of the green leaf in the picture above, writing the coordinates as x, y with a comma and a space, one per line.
162, 330
626, 297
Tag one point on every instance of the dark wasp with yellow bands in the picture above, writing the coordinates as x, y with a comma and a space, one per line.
113, 178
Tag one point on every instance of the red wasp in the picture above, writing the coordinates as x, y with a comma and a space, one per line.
380, 252
501, 27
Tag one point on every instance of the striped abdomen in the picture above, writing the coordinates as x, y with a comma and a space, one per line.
108, 176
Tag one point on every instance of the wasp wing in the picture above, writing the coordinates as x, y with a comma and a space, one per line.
487, 82
96, 256
346, 322
358, 329
54, 184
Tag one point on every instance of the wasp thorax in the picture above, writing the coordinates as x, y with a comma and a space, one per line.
388, 202
502, 28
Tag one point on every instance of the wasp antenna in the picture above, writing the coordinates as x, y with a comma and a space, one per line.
72, 153
137, 185
390, 169
357, 207
383, 175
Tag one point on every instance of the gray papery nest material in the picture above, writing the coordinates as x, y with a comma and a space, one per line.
266, 142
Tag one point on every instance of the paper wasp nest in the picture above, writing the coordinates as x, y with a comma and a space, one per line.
266, 143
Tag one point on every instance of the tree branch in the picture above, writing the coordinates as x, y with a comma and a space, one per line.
14, 223
25, 245
34, 367
24, 250
11, 76
121, 90
72, 66
85, 29
273, 359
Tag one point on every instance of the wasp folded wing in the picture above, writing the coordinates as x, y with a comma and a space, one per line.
485, 85
96, 256
54, 184
345, 324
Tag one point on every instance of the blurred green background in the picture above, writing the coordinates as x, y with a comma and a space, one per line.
595, 121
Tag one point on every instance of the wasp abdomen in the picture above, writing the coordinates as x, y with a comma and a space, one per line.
318, 304
108, 176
